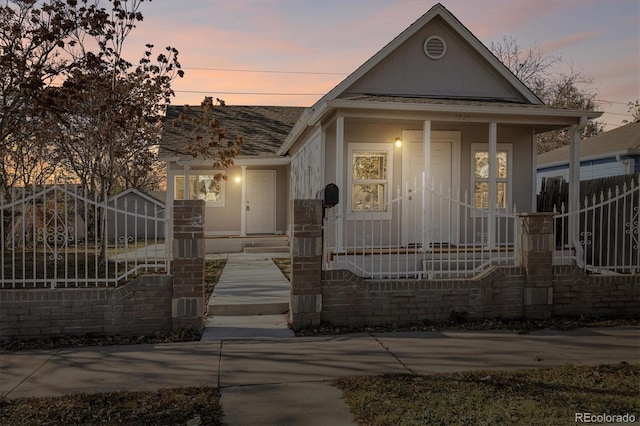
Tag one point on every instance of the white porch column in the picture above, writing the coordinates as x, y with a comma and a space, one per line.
187, 183
574, 186
493, 187
243, 203
427, 179
340, 181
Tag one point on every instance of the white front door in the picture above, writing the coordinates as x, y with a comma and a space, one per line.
261, 201
439, 223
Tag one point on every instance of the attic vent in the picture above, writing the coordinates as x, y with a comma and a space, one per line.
435, 47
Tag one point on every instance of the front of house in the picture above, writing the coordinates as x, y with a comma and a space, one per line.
430, 142
432, 145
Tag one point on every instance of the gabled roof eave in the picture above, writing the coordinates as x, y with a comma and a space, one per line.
483, 109
441, 11
309, 119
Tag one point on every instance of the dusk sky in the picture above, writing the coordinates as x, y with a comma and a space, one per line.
316, 44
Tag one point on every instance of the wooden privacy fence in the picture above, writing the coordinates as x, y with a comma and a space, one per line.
608, 217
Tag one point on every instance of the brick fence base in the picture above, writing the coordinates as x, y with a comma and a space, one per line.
500, 292
141, 307
534, 288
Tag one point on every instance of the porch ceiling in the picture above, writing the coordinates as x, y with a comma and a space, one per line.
541, 118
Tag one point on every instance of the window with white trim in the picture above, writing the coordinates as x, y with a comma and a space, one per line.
480, 175
207, 187
370, 177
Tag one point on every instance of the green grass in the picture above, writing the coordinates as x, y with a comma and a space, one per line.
162, 407
524, 397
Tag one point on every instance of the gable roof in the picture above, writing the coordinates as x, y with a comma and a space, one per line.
624, 140
358, 89
262, 128
436, 11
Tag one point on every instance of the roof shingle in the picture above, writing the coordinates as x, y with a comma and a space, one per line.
262, 128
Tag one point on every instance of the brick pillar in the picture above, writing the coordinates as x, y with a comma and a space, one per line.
305, 302
535, 254
188, 265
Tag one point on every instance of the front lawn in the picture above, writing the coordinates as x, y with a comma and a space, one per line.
198, 405
550, 396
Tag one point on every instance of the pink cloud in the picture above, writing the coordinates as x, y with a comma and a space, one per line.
611, 70
570, 40
499, 17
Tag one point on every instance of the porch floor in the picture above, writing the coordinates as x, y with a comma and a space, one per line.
440, 249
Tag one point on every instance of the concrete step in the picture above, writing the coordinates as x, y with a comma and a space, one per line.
267, 249
247, 327
267, 245
247, 309
268, 242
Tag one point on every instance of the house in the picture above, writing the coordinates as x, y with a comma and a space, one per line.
135, 215
434, 102
254, 198
612, 153
431, 142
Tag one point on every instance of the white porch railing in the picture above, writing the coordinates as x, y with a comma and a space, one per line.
608, 232
424, 232
56, 237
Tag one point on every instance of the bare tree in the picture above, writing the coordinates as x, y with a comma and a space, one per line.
553, 81
531, 65
633, 108
32, 35
71, 101
106, 118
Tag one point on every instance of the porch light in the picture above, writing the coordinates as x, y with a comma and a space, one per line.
398, 142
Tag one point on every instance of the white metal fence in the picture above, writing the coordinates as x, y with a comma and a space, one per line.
607, 232
57, 237
424, 231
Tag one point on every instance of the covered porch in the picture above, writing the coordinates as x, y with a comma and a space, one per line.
431, 188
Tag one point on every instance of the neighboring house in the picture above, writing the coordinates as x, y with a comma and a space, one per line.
135, 215
254, 198
612, 153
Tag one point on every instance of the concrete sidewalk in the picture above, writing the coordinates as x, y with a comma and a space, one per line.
283, 381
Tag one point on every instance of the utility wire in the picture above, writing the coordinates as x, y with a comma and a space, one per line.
249, 93
265, 71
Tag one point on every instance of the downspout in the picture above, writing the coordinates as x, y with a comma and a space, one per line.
574, 187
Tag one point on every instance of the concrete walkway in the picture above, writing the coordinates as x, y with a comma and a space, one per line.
284, 381
250, 299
